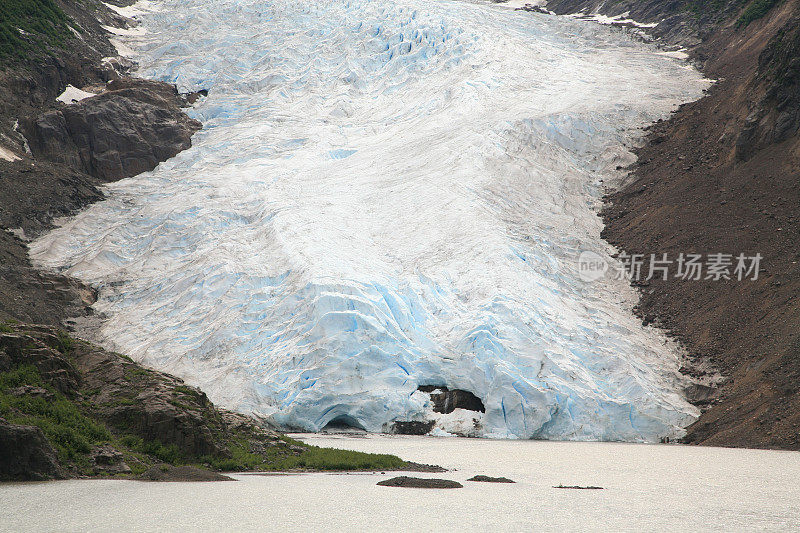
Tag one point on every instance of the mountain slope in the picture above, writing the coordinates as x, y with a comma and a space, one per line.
723, 176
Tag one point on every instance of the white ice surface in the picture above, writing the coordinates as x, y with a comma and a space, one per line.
73, 94
142, 7
386, 195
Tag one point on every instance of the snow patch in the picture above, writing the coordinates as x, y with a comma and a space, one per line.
73, 94
122, 49
24, 140
8, 155
618, 19
141, 7
19, 233
136, 31
681, 54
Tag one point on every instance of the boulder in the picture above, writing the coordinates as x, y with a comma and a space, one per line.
128, 129
107, 459
25, 454
420, 483
413, 427
446, 401
489, 479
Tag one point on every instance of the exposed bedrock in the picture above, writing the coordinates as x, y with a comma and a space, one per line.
446, 401
126, 130
25, 454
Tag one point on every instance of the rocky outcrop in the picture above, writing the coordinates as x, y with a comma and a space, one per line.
124, 131
117, 393
775, 117
26, 455
127, 397
108, 460
181, 473
412, 427
43, 348
489, 479
104, 415
420, 483
446, 401
154, 406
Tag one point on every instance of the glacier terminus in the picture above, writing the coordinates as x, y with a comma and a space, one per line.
387, 195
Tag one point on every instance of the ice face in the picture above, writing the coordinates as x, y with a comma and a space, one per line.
387, 195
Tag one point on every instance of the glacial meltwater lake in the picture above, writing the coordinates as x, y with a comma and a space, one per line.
645, 488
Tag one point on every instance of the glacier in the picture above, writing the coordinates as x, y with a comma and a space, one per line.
387, 194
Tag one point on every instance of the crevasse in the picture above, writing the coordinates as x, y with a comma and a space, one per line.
387, 194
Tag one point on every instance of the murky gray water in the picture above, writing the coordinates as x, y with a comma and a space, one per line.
647, 487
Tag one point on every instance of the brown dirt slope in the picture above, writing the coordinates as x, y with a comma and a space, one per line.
723, 176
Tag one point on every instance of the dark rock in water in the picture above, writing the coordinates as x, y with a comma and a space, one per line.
126, 130
489, 479
413, 427
420, 483
411, 466
588, 487
181, 473
25, 454
446, 401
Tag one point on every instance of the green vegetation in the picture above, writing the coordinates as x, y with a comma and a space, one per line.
29, 27
316, 458
65, 343
705, 7
168, 454
754, 11
70, 432
289, 457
